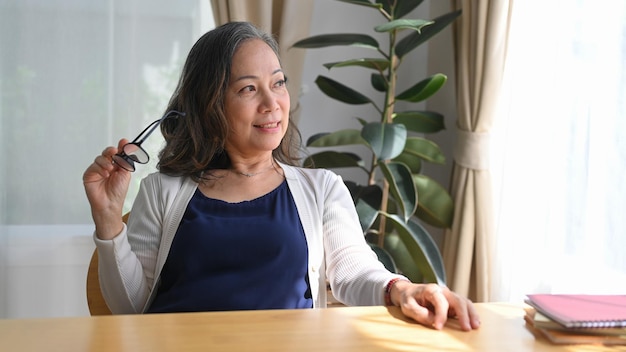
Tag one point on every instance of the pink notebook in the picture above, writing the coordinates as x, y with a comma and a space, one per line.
581, 311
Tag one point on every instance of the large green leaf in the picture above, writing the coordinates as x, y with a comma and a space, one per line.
367, 200
401, 257
333, 159
422, 248
401, 186
402, 7
413, 162
424, 149
436, 207
420, 121
385, 139
341, 92
424, 89
385, 258
415, 39
392, 208
367, 214
415, 25
343, 39
370, 194
337, 138
375, 64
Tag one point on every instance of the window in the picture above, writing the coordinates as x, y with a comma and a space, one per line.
75, 76
560, 164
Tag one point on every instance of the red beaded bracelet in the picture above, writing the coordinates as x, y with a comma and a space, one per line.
388, 288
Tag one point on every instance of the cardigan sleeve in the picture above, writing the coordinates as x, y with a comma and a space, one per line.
127, 262
356, 275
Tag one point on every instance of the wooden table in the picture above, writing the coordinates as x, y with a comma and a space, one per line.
359, 329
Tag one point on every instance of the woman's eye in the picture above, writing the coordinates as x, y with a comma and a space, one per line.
281, 83
247, 89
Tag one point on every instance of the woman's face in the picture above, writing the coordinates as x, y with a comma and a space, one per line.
257, 101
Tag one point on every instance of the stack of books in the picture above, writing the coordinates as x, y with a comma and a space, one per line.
578, 319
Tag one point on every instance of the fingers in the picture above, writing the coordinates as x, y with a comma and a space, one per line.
122, 143
427, 305
108, 152
459, 308
105, 160
419, 313
473, 315
431, 305
434, 295
103, 165
463, 309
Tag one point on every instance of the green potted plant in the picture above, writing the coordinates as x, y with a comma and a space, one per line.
397, 196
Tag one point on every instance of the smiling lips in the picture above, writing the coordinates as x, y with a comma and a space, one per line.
268, 125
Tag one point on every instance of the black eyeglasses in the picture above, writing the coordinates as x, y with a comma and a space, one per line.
133, 152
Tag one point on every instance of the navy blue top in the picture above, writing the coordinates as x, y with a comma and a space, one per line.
236, 256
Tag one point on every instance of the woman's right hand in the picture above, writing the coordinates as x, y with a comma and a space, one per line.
106, 185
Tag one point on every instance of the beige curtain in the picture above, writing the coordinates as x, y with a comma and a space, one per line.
287, 20
480, 40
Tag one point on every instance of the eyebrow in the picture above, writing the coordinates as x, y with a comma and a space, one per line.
256, 77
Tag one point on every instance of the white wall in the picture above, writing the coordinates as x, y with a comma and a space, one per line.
45, 270
441, 60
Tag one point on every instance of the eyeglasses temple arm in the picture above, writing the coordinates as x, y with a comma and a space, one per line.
151, 127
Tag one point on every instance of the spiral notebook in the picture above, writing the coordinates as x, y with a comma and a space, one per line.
582, 311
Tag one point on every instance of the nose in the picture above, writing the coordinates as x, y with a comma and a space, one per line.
269, 102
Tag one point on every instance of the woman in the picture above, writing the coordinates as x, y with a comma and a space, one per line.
229, 222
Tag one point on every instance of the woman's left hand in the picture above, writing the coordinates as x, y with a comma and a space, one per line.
432, 304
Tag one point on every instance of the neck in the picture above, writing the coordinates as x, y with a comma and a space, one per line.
249, 173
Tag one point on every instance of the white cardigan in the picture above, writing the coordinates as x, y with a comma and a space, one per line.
130, 263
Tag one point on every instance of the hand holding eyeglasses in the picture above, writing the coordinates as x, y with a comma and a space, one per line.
133, 152
106, 184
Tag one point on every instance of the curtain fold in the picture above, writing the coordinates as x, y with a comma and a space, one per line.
288, 20
480, 41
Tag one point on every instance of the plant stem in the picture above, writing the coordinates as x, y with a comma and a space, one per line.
387, 118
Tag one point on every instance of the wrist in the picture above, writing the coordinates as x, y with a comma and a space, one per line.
391, 291
107, 227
